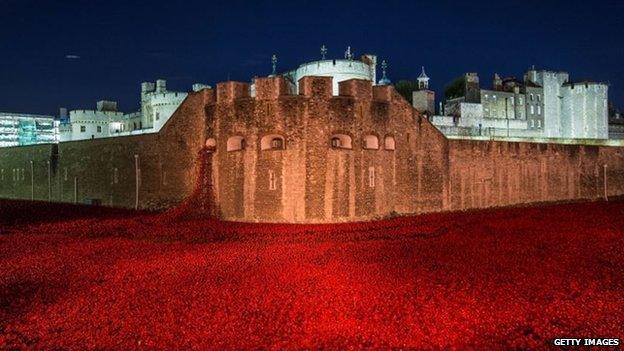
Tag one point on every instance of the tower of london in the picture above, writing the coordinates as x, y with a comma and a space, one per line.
326, 142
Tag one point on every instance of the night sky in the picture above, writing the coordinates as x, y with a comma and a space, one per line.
72, 53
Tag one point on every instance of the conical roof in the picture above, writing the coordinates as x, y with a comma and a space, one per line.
423, 75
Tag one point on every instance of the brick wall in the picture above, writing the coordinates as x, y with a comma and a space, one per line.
309, 180
493, 173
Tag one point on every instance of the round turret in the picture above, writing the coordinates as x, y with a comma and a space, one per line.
340, 70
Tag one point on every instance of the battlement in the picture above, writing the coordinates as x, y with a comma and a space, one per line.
382, 92
271, 88
169, 97
596, 86
232, 90
84, 115
268, 88
209, 95
161, 85
147, 87
105, 105
94, 112
313, 86
357, 88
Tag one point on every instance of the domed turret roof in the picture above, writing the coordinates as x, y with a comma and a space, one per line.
384, 81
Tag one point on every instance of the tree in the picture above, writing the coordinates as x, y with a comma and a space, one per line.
405, 88
455, 88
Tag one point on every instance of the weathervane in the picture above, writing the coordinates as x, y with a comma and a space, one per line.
348, 54
274, 62
384, 79
384, 66
323, 51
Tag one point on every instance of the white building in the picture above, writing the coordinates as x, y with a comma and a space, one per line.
27, 129
157, 106
102, 122
584, 110
544, 105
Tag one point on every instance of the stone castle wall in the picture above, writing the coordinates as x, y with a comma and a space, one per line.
413, 169
494, 173
315, 182
104, 169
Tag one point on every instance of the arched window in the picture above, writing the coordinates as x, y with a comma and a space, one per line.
272, 142
235, 143
389, 143
211, 144
341, 141
370, 142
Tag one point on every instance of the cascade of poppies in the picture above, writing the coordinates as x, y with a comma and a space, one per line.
200, 204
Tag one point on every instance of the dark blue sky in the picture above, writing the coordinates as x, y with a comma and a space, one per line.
121, 43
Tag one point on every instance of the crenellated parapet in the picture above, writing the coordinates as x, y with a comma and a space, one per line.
358, 89
316, 87
271, 88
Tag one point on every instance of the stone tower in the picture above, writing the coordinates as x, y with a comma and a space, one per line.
473, 91
423, 99
497, 82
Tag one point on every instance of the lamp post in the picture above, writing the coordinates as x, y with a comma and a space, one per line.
59, 186
136, 185
49, 183
32, 180
75, 190
606, 195
507, 114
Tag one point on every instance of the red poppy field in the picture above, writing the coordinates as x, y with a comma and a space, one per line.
512, 278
